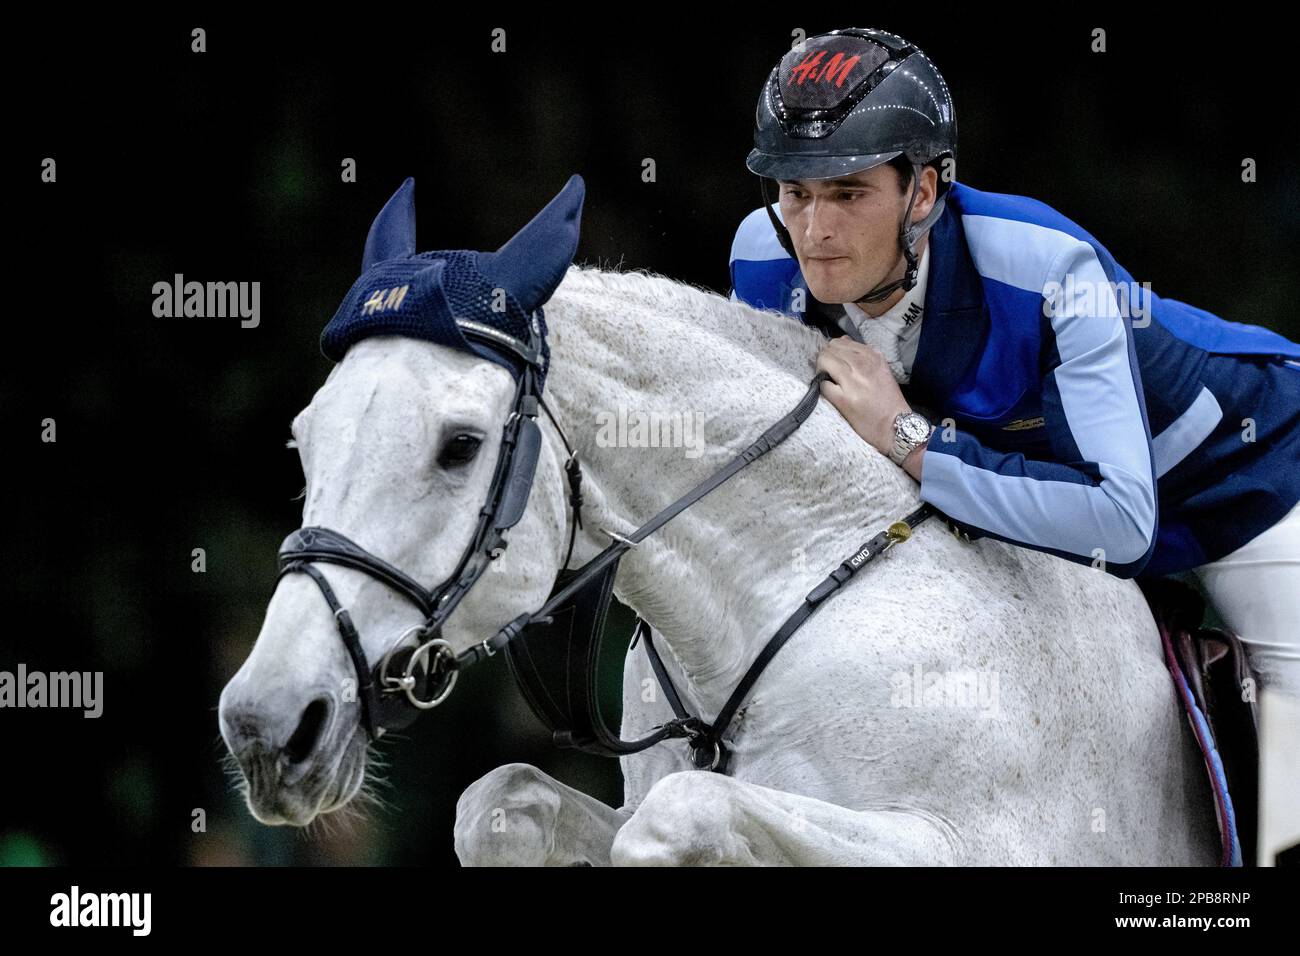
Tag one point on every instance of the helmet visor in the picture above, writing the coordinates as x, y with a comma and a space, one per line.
791, 166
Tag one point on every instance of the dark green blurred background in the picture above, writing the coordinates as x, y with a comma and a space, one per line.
225, 166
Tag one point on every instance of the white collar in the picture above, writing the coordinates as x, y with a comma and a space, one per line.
896, 316
897, 332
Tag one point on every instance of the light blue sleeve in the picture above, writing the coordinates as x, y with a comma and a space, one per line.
1096, 501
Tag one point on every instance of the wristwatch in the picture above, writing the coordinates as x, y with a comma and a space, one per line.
910, 430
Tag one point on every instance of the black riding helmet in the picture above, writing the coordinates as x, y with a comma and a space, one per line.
846, 101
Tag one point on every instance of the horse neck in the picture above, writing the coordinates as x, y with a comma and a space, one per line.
719, 578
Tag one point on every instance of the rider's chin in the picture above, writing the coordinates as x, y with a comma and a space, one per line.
820, 291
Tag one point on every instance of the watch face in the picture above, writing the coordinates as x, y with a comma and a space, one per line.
914, 428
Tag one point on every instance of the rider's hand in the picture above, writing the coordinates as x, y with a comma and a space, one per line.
863, 389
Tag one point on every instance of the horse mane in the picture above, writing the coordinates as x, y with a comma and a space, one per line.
773, 337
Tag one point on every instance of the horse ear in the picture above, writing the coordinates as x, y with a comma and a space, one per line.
392, 234
534, 261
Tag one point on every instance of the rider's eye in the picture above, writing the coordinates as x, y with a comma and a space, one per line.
460, 450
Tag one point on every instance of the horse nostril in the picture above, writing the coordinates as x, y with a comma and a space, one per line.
303, 741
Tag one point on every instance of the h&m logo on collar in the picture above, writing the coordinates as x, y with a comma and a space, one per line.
385, 300
913, 313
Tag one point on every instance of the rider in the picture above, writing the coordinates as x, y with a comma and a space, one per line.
1077, 412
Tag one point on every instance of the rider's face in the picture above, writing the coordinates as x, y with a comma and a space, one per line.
845, 230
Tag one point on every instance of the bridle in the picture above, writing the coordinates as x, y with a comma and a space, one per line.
576, 609
430, 667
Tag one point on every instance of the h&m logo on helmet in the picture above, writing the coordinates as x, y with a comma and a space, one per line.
837, 68
385, 300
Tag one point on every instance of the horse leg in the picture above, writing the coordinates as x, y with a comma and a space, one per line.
518, 816
694, 818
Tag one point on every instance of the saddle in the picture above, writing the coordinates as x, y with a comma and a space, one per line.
1216, 690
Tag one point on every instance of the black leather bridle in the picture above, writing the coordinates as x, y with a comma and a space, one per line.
574, 613
429, 669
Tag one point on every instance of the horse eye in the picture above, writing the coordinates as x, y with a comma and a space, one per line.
459, 451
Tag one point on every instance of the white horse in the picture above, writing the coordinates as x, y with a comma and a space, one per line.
851, 748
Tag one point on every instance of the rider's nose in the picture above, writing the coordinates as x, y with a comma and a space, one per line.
816, 213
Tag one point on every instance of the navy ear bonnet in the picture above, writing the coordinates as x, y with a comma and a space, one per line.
486, 303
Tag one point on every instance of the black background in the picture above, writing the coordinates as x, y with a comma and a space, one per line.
225, 166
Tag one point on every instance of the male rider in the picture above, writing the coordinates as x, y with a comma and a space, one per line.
1077, 413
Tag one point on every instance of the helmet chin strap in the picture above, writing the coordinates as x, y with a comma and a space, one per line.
907, 237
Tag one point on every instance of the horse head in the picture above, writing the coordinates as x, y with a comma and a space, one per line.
429, 414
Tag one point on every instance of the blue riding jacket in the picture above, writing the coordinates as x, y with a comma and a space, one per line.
1077, 412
